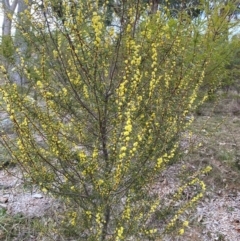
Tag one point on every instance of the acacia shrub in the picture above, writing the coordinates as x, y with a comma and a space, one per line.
111, 105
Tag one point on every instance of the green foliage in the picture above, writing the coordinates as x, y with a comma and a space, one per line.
7, 48
112, 104
14, 227
232, 79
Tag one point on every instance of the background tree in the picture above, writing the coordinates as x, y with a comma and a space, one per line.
8, 12
12, 42
192, 7
112, 104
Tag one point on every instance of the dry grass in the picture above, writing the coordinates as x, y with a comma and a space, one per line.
217, 129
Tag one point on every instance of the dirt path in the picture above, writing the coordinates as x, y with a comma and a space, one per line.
17, 199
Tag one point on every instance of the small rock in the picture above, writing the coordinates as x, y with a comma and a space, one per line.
200, 218
37, 195
3, 200
2, 205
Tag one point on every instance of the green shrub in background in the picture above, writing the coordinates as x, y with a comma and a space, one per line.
232, 80
7, 47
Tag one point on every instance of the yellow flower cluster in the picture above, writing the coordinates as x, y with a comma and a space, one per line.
128, 126
151, 231
185, 224
181, 231
127, 212
85, 91
165, 158
73, 219
98, 218
206, 170
97, 26
194, 94
119, 234
159, 163
121, 93
154, 66
89, 214
188, 204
